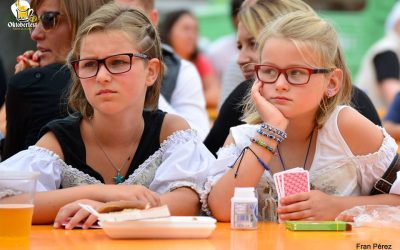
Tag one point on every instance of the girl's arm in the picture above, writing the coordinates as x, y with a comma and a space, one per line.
250, 170
249, 174
356, 130
182, 202
48, 204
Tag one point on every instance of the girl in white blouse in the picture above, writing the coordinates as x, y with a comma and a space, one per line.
298, 116
116, 58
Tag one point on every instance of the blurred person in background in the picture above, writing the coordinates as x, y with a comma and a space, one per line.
35, 92
231, 75
222, 50
253, 16
391, 121
179, 29
181, 88
380, 71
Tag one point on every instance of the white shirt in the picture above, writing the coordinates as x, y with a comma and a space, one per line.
188, 100
181, 161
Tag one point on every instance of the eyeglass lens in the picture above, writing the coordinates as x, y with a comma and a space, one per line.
49, 20
270, 74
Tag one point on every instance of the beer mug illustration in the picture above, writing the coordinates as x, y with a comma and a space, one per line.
23, 11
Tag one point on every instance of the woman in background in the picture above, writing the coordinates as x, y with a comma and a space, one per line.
35, 94
179, 29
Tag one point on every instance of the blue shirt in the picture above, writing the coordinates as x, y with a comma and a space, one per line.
393, 113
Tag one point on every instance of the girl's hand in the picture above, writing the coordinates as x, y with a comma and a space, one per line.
127, 193
72, 214
313, 205
30, 59
268, 112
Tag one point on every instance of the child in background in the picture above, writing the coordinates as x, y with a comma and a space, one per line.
117, 135
298, 116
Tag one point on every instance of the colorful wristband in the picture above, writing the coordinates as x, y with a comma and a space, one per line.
274, 130
270, 136
263, 144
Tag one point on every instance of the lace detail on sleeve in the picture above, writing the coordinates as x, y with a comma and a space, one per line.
73, 177
195, 187
179, 137
230, 149
48, 152
144, 174
204, 196
385, 153
70, 176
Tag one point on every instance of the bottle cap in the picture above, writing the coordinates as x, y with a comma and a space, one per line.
244, 192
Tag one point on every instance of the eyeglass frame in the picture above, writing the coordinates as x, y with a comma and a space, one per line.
75, 63
55, 21
280, 71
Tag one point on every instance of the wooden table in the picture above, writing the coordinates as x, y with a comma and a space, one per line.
268, 236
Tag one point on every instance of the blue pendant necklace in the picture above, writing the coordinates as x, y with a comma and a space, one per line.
118, 178
305, 160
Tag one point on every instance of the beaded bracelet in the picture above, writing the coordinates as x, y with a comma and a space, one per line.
263, 144
274, 130
270, 136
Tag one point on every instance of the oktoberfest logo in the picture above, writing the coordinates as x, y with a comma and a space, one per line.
24, 15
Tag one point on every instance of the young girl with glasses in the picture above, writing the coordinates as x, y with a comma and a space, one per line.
253, 16
117, 135
298, 116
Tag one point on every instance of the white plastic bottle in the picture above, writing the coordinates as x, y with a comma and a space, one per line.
244, 209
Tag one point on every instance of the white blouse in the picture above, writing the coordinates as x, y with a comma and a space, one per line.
335, 170
181, 161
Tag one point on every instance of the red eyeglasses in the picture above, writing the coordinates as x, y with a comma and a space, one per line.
294, 75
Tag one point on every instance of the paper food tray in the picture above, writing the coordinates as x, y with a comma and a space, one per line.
183, 227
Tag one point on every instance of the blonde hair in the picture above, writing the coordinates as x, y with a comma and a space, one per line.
74, 10
306, 29
254, 15
138, 27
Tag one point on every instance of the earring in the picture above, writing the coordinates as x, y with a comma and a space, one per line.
329, 93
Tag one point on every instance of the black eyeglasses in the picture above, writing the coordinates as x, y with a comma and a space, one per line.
49, 20
115, 64
294, 75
